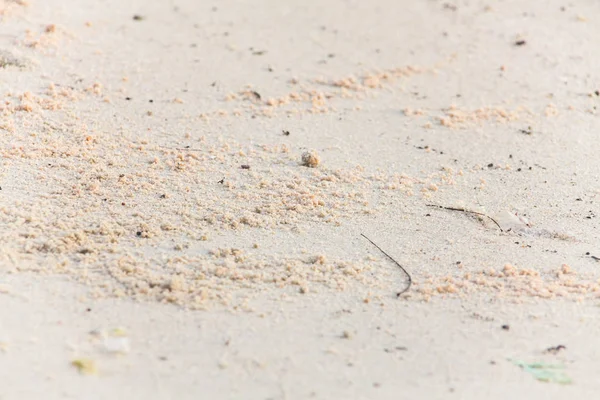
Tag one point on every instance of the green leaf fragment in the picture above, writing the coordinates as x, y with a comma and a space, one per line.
544, 372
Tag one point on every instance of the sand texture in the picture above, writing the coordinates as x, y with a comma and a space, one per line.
185, 185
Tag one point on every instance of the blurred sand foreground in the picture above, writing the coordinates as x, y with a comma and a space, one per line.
184, 185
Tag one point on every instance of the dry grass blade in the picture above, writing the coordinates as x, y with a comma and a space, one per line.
408, 277
464, 210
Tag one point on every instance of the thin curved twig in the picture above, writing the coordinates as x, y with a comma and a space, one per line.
464, 210
408, 277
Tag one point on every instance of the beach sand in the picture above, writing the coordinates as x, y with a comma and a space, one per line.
185, 186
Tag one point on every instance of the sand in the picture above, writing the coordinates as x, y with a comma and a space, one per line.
184, 187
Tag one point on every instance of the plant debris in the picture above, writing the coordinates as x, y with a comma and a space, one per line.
527, 131
85, 366
408, 277
459, 209
8, 59
555, 349
395, 349
543, 372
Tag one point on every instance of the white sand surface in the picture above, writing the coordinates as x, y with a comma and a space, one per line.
162, 237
